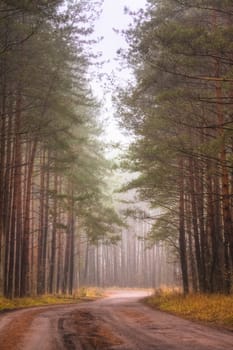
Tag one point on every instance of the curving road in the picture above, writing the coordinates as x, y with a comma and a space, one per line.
116, 322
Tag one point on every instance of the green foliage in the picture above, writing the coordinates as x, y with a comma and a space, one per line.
169, 108
33, 5
50, 120
178, 108
165, 228
101, 223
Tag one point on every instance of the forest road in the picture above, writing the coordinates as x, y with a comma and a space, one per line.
119, 321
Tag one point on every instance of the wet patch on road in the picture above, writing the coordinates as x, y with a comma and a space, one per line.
90, 332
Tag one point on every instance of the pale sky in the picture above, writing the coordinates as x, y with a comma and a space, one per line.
113, 17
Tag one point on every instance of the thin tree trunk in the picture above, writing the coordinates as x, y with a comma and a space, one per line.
182, 239
195, 226
54, 239
192, 260
25, 276
225, 192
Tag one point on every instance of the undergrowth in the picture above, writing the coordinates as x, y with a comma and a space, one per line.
79, 295
216, 309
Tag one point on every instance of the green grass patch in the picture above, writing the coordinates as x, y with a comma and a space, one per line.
214, 309
81, 294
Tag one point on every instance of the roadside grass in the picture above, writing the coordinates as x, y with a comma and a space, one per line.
216, 309
89, 292
81, 294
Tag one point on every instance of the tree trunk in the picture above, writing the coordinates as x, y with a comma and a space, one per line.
182, 238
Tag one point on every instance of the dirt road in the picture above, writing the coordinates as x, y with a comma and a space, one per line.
117, 322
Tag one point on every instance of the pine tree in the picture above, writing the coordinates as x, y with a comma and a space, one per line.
179, 109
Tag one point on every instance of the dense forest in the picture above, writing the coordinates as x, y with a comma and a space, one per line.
133, 262
179, 109
60, 227
52, 164
57, 219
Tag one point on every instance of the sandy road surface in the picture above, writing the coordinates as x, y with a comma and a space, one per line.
117, 322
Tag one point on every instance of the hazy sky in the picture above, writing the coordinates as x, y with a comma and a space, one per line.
113, 17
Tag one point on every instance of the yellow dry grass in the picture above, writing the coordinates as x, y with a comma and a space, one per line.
216, 309
88, 292
80, 295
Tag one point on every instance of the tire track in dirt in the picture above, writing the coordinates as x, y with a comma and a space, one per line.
12, 333
82, 330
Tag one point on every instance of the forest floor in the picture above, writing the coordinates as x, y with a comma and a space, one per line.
119, 321
211, 309
83, 294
